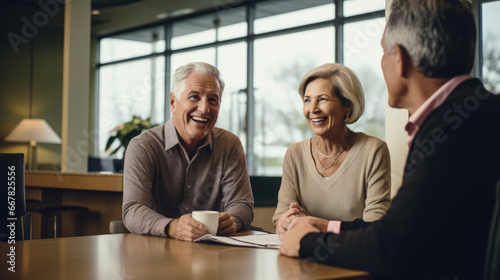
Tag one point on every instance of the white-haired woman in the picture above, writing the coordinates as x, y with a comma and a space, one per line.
338, 175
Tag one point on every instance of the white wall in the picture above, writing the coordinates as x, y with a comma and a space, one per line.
395, 135
76, 86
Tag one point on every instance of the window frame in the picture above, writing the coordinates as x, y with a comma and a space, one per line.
477, 10
337, 22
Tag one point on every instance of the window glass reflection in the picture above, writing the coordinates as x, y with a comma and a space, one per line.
178, 59
223, 25
280, 61
362, 53
276, 15
356, 7
128, 89
132, 44
279, 120
193, 32
232, 64
491, 46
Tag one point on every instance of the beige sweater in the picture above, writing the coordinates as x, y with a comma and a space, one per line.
360, 188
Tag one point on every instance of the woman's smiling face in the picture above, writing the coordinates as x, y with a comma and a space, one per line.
323, 109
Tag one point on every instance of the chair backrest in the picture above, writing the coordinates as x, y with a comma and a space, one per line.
12, 197
492, 261
117, 227
96, 164
265, 190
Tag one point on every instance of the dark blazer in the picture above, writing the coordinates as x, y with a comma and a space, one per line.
438, 223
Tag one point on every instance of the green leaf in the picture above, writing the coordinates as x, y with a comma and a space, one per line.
110, 141
116, 150
128, 131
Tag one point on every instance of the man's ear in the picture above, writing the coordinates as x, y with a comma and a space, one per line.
172, 103
403, 59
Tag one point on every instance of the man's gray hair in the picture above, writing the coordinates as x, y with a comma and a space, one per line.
180, 75
438, 35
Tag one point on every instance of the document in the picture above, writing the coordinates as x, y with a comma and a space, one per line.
266, 240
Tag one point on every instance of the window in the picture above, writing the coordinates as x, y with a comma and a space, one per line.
128, 89
233, 66
356, 7
362, 53
491, 45
132, 44
262, 50
211, 28
131, 81
276, 15
278, 69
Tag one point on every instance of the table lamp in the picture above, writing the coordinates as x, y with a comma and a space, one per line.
33, 131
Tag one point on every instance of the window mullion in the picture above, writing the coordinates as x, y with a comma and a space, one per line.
478, 61
250, 119
168, 60
339, 31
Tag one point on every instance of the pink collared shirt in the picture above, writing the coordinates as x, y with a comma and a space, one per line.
333, 226
436, 99
416, 120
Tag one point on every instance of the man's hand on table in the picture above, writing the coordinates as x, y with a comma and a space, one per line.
186, 228
290, 245
320, 224
227, 224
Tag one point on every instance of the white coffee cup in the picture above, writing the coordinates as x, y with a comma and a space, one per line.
210, 219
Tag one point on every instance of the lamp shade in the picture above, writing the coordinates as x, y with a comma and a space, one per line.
33, 130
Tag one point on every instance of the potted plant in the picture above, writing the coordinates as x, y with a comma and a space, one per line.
126, 131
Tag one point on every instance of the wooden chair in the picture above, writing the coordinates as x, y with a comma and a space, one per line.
51, 210
12, 197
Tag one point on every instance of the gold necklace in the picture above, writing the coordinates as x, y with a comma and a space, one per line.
329, 156
334, 160
335, 155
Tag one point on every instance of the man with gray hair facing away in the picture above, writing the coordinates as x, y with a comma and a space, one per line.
187, 164
437, 226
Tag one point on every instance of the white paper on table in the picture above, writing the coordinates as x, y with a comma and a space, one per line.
268, 240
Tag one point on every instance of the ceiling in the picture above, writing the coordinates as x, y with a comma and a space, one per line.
150, 9
140, 12
116, 15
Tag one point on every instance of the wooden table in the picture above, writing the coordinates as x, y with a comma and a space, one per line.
75, 181
100, 193
131, 256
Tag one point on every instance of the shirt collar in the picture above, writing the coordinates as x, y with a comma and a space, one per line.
433, 102
172, 138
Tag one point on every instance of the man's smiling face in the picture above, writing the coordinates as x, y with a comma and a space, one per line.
197, 109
